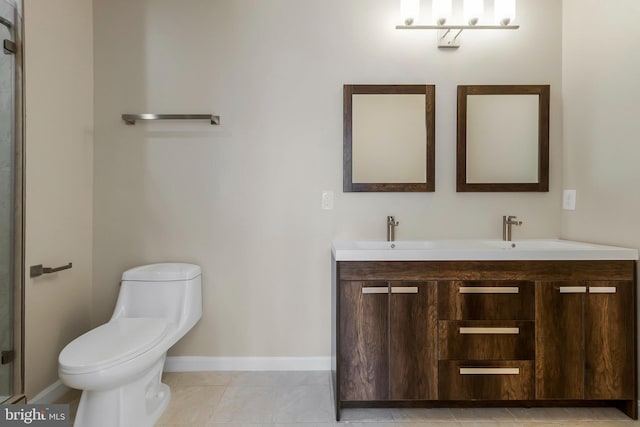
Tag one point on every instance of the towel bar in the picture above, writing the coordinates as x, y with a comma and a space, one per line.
130, 119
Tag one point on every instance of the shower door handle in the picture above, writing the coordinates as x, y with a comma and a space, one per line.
39, 270
7, 357
9, 47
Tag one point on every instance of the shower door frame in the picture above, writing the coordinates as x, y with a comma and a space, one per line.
19, 199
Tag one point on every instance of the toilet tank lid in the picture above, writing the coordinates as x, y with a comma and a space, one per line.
164, 272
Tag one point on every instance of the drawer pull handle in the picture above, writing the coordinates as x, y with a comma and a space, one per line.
602, 289
376, 290
489, 371
573, 289
489, 331
489, 290
404, 289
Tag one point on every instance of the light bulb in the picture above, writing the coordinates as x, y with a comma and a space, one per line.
505, 11
441, 11
473, 10
409, 11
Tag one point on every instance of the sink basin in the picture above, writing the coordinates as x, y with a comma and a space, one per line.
557, 245
412, 245
406, 245
479, 250
399, 245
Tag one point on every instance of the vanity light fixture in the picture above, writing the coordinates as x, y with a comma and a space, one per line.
472, 12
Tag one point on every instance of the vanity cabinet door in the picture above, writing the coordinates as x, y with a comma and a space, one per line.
609, 341
585, 340
364, 340
560, 340
413, 358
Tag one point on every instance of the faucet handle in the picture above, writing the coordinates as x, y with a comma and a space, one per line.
510, 220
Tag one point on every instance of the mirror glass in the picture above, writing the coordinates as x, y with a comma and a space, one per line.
388, 138
378, 150
505, 124
503, 138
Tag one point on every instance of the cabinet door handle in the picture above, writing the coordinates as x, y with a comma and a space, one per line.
489, 289
573, 289
489, 331
376, 290
489, 371
602, 289
404, 289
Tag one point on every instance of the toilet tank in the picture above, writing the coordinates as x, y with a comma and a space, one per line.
172, 291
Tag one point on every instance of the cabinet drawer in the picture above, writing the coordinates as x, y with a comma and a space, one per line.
486, 340
486, 300
477, 380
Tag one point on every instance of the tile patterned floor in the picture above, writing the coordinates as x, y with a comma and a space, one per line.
288, 399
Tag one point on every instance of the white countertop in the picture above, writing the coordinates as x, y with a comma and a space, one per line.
477, 250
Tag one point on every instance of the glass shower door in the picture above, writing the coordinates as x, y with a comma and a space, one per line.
7, 199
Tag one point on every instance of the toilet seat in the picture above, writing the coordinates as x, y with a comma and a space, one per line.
113, 343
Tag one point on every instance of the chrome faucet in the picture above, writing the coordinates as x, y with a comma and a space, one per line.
507, 222
391, 228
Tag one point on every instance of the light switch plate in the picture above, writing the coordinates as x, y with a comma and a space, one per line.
569, 200
327, 200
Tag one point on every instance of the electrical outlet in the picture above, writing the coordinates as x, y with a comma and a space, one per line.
327, 200
569, 200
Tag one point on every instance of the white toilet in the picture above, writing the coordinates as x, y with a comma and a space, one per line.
119, 365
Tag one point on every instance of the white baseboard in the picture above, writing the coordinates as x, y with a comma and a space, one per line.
200, 364
50, 394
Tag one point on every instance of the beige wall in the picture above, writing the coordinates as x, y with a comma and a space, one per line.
601, 111
59, 179
243, 199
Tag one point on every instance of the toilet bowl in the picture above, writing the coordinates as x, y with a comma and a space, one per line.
118, 365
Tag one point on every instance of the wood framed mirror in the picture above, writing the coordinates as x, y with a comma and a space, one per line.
503, 138
389, 138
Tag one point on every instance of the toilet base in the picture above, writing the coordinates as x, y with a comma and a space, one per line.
136, 404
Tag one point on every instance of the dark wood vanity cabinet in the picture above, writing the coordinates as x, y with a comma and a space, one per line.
486, 339
585, 346
526, 333
387, 332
